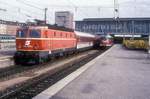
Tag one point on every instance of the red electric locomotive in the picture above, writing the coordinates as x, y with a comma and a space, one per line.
38, 44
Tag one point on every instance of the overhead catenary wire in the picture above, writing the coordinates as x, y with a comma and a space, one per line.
15, 17
19, 10
77, 8
18, 7
35, 4
30, 5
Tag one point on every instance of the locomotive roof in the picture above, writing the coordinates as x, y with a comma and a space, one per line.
38, 27
83, 34
54, 27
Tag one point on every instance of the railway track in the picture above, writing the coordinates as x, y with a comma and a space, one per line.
10, 72
34, 86
13, 71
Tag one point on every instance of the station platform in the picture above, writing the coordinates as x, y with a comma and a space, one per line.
6, 53
6, 59
116, 74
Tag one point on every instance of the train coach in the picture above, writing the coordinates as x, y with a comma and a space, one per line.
106, 41
38, 44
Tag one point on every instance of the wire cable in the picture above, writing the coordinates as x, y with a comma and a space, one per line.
28, 4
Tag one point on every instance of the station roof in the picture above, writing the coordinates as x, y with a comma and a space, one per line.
10, 22
83, 34
119, 19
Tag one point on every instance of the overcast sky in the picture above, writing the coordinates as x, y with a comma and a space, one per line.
22, 10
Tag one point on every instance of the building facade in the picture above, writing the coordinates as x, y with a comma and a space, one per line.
111, 26
64, 18
9, 27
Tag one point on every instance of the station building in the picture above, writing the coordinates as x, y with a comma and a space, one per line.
137, 26
9, 27
64, 18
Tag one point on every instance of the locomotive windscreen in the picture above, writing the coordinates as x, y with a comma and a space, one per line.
21, 33
35, 34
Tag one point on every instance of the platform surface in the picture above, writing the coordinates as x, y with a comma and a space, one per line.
119, 74
6, 58
7, 53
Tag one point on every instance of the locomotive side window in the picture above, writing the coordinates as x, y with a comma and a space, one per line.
61, 34
45, 34
35, 34
21, 33
54, 34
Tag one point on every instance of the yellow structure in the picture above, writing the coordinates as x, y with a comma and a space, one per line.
136, 43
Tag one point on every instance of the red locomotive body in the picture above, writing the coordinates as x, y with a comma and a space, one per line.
44, 40
36, 45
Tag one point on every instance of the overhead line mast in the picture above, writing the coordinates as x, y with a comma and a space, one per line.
116, 9
45, 15
116, 13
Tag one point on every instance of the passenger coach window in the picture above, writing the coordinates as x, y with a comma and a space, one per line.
21, 33
35, 34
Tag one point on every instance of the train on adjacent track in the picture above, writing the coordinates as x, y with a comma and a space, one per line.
106, 41
36, 45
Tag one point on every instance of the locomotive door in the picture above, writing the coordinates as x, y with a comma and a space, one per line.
50, 43
48, 39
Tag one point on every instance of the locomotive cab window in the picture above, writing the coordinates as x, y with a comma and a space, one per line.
21, 33
35, 34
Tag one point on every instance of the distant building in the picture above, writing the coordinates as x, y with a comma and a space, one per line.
64, 18
112, 26
9, 27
